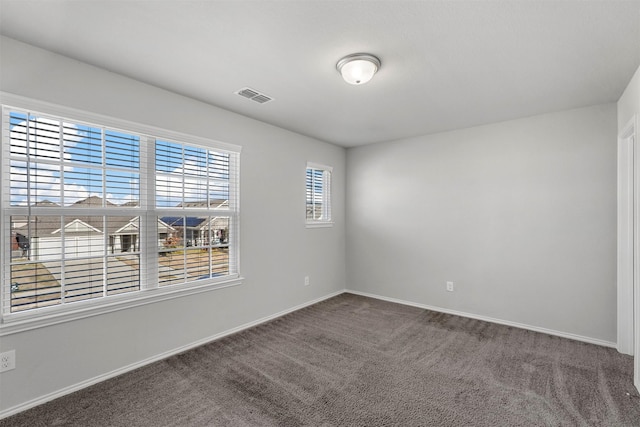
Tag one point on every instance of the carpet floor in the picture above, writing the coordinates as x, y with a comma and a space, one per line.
357, 361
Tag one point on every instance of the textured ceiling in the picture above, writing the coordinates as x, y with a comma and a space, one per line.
445, 64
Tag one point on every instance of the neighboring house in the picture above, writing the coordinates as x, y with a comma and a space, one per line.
220, 231
200, 231
83, 235
188, 229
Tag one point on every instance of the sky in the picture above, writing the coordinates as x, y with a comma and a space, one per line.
83, 165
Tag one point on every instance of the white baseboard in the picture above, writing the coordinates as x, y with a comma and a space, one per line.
490, 319
83, 384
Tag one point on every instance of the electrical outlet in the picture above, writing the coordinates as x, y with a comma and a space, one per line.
450, 286
306, 281
7, 360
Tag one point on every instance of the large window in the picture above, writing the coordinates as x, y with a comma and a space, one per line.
318, 184
95, 212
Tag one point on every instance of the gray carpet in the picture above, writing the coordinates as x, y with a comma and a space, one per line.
356, 361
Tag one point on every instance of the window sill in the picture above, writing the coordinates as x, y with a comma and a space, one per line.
319, 224
20, 322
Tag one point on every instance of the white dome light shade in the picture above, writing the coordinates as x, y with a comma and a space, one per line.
358, 68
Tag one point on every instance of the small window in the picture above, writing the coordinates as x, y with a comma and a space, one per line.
318, 185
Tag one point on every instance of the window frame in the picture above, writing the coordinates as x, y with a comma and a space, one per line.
150, 291
326, 219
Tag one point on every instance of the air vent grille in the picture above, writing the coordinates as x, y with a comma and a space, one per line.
261, 99
248, 93
254, 95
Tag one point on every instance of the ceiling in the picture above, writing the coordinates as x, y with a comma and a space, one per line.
445, 64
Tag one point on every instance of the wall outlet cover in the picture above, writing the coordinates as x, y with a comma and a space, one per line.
7, 360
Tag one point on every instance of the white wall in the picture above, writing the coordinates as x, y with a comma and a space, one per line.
629, 102
520, 215
277, 251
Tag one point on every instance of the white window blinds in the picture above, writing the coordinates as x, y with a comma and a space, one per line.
318, 194
91, 211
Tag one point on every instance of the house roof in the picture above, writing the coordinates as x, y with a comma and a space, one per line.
213, 203
48, 226
92, 202
199, 221
77, 226
45, 204
179, 221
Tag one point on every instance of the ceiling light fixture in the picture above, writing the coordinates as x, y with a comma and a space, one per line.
358, 68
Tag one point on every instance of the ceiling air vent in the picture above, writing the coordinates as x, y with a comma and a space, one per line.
254, 95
